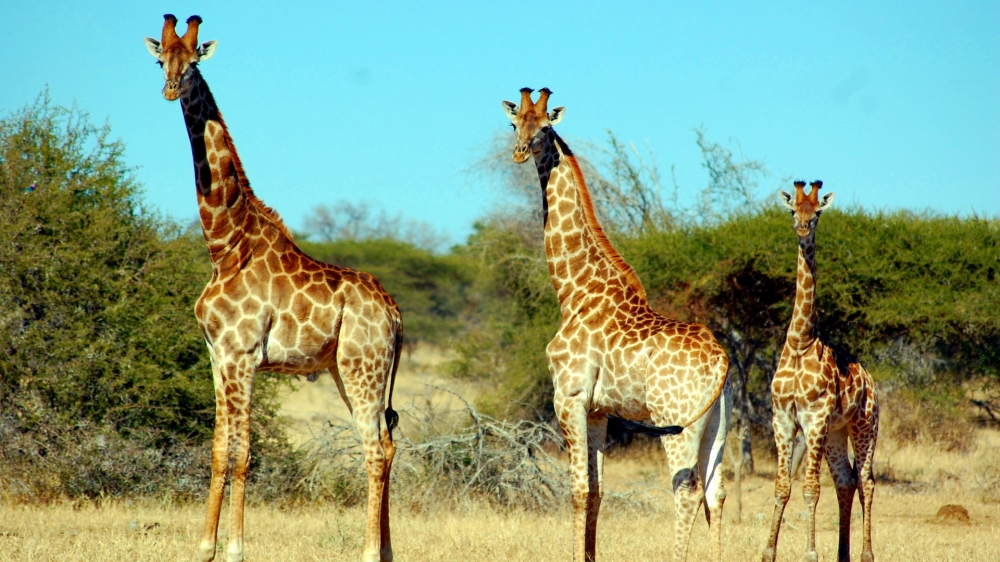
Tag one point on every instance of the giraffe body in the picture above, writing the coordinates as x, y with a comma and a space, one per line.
614, 355
268, 306
828, 395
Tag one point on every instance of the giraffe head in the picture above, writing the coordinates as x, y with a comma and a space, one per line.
530, 121
806, 208
178, 55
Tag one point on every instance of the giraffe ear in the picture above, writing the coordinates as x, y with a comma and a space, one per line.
556, 115
153, 46
825, 202
787, 200
206, 50
509, 109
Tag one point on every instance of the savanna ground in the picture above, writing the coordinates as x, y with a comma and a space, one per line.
636, 522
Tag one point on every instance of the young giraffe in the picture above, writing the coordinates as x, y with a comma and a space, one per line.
825, 392
270, 307
613, 354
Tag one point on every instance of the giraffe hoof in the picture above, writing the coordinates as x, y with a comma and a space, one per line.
867, 556
810, 556
768, 555
206, 553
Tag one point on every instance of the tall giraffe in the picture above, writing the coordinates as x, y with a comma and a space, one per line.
614, 355
825, 392
270, 307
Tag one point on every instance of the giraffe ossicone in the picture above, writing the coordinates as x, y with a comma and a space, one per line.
615, 355
826, 394
269, 306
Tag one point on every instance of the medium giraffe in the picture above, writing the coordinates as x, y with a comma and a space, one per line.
614, 355
825, 392
270, 307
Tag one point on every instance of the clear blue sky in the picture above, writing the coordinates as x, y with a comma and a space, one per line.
891, 104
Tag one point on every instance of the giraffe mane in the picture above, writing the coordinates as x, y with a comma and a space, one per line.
593, 225
244, 183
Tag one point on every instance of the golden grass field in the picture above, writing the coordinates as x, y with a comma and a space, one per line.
905, 528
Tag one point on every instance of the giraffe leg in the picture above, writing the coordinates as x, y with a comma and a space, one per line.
597, 429
390, 452
367, 407
864, 439
845, 479
784, 435
239, 437
682, 456
220, 467
571, 411
816, 441
713, 446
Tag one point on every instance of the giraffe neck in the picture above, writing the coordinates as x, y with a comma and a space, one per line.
232, 217
581, 260
804, 328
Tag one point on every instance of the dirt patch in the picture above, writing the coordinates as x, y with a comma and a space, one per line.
953, 513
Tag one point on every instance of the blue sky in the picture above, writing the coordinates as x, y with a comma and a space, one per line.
891, 104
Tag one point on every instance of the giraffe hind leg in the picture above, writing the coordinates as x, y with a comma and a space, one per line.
864, 439
713, 446
220, 470
365, 399
682, 457
845, 480
597, 429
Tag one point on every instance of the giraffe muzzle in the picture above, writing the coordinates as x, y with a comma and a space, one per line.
172, 90
521, 153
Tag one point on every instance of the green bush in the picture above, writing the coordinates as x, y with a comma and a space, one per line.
100, 354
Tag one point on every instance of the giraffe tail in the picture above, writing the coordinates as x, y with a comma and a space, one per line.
391, 417
646, 429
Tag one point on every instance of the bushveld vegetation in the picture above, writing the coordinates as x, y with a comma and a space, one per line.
105, 387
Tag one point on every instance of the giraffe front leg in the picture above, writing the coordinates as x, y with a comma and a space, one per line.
220, 467
238, 401
597, 429
783, 423
815, 444
572, 413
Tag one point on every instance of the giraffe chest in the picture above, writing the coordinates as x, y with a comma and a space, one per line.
817, 389
285, 329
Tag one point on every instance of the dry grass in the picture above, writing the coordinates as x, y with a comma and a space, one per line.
914, 482
905, 529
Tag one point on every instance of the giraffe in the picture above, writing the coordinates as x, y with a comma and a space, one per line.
826, 393
270, 307
614, 355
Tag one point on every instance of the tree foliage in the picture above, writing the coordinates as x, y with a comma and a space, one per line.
913, 295
429, 288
